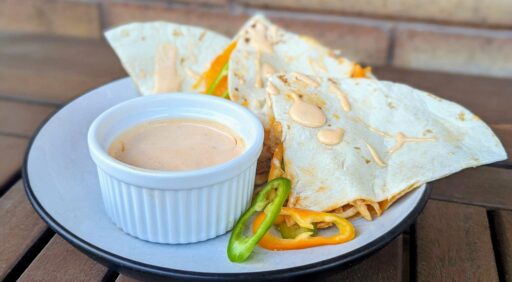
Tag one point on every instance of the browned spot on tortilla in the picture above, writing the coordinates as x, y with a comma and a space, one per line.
357, 148
201, 36
475, 117
297, 201
367, 161
427, 132
322, 189
461, 116
283, 78
123, 147
391, 105
310, 171
336, 116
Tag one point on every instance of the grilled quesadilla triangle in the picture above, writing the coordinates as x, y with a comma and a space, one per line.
165, 57
390, 139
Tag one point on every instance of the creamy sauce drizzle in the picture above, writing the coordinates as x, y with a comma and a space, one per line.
375, 156
372, 129
401, 139
257, 36
177, 145
306, 114
267, 69
272, 89
306, 79
330, 136
345, 104
166, 76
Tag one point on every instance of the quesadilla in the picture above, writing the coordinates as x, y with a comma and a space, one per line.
259, 50
165, 57
354, 146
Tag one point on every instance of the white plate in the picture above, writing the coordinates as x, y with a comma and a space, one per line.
61, 182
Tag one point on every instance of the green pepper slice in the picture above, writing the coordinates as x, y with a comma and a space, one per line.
223, 73
241, 246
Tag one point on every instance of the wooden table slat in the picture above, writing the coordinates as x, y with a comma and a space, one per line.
20, 227
485, 186
503, 229
22, 118
59, 261
12, 150
386, 265
54, 69
454, 244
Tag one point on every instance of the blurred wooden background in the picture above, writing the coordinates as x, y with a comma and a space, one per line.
460, 36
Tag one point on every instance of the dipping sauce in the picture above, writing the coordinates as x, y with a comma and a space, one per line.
177, 145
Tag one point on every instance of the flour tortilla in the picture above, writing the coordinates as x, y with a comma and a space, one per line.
137, 45
291, 53
327, 177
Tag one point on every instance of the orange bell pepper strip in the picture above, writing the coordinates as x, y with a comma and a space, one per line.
306, 218
358, 71
215, 78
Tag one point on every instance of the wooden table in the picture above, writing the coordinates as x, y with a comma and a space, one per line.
464, 233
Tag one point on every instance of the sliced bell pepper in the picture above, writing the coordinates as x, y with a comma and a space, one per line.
215, 78
359, 71
291, 232
268, 201
306, 219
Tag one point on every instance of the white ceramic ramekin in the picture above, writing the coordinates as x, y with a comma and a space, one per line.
175, 207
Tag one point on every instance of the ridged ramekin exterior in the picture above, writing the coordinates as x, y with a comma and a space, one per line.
177, 216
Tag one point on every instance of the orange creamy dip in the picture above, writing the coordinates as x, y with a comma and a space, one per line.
177, 145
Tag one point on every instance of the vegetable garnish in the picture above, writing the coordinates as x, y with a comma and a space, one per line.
359, 71
215, 78
305, 219
269, 202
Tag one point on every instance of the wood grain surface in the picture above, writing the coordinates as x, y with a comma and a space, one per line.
12, 150
503, 229
484, 186
20, 227
454, 244
54, 69
22, 119
59, 261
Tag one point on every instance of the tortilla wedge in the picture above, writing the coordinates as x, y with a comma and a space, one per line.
165, 57
395, 139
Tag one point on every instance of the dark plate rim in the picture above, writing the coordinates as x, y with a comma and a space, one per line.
121, 263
